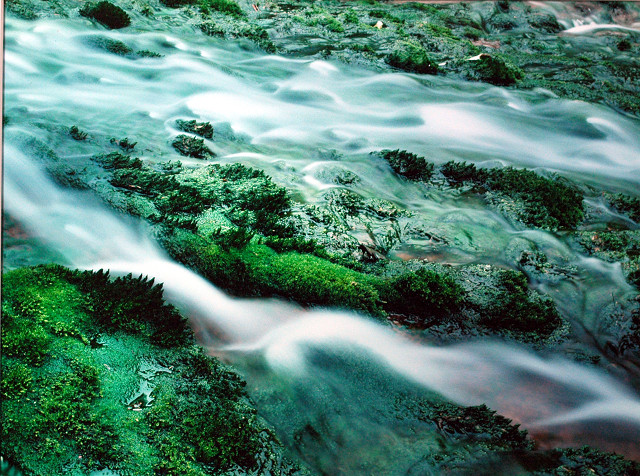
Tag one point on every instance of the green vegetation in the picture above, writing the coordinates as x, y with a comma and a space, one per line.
124, 144
116, 47
551, 203
411, 57
72, 402
203, 129
626, 204
408, 165
547, 202
514, 308
192, 147
494, 70
425, 294
77, 134
106, 13
227, 7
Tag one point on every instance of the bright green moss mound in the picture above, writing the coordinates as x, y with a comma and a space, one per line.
106, 13
101, 373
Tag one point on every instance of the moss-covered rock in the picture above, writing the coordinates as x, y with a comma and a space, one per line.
548, 202
203, 129
408, 165
495, 70
192, 147
410, 56
74, 404
106, 13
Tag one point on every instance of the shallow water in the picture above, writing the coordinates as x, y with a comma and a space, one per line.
300, 121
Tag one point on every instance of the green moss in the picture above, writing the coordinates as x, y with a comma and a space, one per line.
411, 57
495, 70
115, 47
385, 15
106, 13
514, 308
424, 294
585, 460
148, 54
626, 204
478, 423
125, 144
408, 165
22, 9
259, 271
228, 7
77, 134
548, 202
75, 411
203, 129
192, 147
16, 380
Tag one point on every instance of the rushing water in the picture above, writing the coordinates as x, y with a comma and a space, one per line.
296, 119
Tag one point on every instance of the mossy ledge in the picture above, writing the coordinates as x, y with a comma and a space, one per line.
546, 202
101, 373
233, 225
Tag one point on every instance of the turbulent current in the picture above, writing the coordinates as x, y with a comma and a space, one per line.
287, 115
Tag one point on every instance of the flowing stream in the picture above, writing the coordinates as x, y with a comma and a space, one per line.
297, 119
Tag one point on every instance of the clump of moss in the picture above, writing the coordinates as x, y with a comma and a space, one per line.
77, 134
16, 381
148, 54
585, 460
69, 410
425, 294
411, 57
115, 47
22, 9
627, 204
408, 165
203, 129
106, 13
192, 147
495, 70
479, 423
514, 308
116, 160
228, 7
548, 202
125, 144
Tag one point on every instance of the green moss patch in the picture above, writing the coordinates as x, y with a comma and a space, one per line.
411, 57
83, 388
106, 13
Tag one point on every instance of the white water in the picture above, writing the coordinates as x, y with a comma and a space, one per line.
284, 110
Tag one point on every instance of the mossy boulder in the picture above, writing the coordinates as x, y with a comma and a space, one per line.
107, 14
495, 70
411, 57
